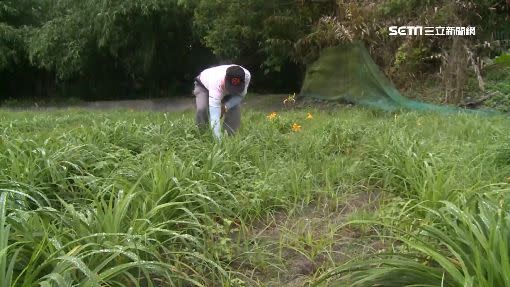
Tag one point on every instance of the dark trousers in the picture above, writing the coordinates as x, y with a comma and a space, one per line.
232, 120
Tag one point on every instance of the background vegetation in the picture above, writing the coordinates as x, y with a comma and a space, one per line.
131, 49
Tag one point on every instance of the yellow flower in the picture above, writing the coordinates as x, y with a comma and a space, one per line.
296, 127
272, 116
309, 116
290, 99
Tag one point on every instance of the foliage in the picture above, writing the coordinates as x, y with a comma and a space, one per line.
111, 49
123, 197
269, 29
120, 46
131, 33
456, 244
499, 87
137, 197
15, 16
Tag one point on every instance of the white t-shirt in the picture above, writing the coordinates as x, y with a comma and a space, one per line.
213, 79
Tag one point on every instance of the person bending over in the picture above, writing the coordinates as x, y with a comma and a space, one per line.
219, 92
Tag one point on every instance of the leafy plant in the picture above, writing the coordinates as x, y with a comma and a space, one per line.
463, 244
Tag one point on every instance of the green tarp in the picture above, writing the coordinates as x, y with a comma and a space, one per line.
348, 73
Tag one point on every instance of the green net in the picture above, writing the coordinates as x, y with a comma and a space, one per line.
348, 73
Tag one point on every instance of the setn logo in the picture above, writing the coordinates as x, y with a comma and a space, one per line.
431, 31
406, 30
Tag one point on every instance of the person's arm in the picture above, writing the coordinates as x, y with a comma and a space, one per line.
215, 112
247, 80
233, 101
236, 100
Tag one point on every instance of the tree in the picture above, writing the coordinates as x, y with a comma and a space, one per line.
261, 34
134, 44
15, 17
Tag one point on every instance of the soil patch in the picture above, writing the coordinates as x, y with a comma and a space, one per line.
301, 246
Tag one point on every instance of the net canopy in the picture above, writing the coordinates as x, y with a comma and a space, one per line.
348, 73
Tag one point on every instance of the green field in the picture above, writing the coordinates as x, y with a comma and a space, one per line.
354, 198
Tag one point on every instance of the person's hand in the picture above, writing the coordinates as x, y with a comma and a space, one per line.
223, 110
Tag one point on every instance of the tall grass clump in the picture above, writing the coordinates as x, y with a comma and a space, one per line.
447, 223
459, 244
430, 157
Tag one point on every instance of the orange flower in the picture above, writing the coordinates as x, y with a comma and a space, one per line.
272, 116
296, 127
309, 116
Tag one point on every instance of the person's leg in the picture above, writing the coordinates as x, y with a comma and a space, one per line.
232, 120
202, 106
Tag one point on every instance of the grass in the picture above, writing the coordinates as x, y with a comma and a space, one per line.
458, 244
143, 199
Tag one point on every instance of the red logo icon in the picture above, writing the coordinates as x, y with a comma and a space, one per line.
235, 81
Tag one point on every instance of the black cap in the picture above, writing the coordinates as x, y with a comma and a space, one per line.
234, 80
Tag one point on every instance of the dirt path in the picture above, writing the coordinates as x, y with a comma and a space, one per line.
292, 250
174, 104
169, 105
